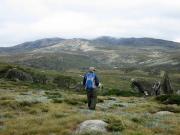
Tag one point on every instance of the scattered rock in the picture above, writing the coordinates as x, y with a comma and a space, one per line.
178, 92
112, 98
32, 97
107, 104
90, 126
163, 113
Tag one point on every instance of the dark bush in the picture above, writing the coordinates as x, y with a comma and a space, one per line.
53, 95
64, 81
137, 120
118, 92
28, 103
57, 100
75, 101
4, 69
169, 99
39, 78
170, 108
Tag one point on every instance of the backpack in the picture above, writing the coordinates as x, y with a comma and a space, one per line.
90, 81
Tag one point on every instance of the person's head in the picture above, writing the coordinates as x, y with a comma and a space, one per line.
92, 69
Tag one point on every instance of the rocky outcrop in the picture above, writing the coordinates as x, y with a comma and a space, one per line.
157, 88
146, 88
166, 86
90, 126
15, 74
20, 74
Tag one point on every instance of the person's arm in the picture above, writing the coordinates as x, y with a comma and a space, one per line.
84, 80
96, 81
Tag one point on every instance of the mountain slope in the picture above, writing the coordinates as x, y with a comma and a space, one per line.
138, 42
101, 41
104, 52
29, 46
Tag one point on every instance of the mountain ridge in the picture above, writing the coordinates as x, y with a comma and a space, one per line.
105, 52
103, 40
30, 45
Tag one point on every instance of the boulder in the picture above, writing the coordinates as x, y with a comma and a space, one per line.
90, 126
112, 98
178, 92
163, 113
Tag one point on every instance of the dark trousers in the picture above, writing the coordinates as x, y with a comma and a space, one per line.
92, 98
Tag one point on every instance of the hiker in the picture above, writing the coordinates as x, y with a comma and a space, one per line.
90, 83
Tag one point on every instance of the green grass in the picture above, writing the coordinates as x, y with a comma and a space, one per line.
67, 108
64, 117
115, 123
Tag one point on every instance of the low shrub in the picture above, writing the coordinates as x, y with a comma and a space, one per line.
60, 115
91, 133
72, 101
7, 115
114, 123
64, 81
57, 100
169, 99
27, 103
170, 108
39, 78
119, 92
44, 109
33, 112
4, 69
53, 95
137, 120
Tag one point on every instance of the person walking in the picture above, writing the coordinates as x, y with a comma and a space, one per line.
90, 83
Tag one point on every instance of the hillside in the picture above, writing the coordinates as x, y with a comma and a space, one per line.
103, 52
29, 46
136, 42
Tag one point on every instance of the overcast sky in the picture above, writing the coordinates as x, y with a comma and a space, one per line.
26, 20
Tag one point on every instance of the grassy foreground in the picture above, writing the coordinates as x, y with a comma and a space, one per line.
45, 109
26, 111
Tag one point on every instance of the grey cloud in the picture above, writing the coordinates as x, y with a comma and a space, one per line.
29, 20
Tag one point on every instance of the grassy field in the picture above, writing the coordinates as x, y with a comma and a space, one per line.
36, 109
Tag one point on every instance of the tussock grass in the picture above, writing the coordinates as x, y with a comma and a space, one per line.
63, 118
66, 109
170, 108
114, 123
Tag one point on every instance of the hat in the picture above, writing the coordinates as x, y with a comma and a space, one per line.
92, 69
